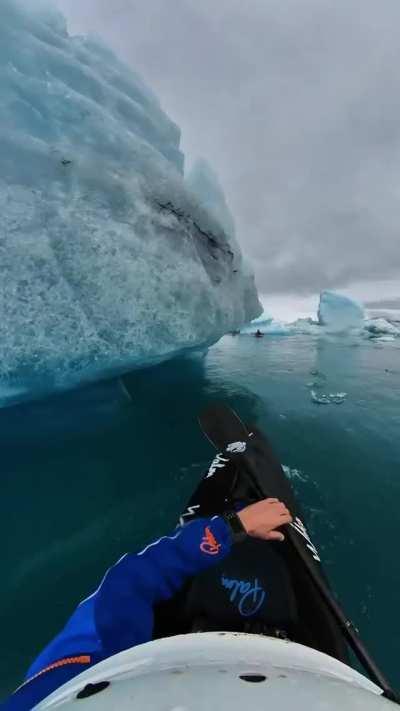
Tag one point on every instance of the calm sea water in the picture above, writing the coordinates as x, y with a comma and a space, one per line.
90, 475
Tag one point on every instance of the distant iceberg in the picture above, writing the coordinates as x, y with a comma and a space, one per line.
339, 313
381, 327
109, 259
275, 328
306, 326
267, 326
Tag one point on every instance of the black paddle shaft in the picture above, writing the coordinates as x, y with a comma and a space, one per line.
346, 625
222, 425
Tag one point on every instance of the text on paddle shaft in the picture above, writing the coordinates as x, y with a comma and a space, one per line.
190, 511
236, 447
248, 596
217, 463
299, 526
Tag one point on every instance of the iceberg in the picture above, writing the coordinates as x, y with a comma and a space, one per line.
276, 328
380, 327
261, 323
338, 313
267, 325
109, 259
204, 183
306, 327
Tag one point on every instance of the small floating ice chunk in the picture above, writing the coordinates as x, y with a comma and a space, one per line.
328, 398
294, 473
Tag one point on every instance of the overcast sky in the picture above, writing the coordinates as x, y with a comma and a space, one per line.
296, 103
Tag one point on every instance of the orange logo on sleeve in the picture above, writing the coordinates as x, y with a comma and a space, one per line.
209, 543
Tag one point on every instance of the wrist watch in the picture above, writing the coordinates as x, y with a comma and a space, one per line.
236, 528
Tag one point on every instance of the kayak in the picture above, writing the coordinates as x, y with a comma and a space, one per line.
262, 628
262, 586
277, 589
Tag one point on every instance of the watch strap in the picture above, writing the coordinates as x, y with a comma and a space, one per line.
236, 528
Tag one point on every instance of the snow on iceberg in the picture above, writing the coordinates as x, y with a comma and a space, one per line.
108, 260
339, 313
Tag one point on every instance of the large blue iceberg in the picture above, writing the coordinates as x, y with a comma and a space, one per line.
109, 260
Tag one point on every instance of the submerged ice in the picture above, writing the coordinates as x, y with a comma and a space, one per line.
109, 259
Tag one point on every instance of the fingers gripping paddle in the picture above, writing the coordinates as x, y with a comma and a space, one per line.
254, 455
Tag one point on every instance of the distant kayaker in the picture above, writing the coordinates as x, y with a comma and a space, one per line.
258, 333
120, 613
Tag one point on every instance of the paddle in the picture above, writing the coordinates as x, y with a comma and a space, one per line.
223, 426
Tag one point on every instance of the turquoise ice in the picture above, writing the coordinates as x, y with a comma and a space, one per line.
109, 261
338, 312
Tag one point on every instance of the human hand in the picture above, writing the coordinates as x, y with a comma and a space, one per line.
261, 519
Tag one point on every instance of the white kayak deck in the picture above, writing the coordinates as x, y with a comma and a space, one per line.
204, 672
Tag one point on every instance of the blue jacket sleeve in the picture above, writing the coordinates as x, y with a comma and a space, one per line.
124, 604
119, 614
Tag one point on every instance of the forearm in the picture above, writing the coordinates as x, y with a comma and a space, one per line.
125, 601
119, 614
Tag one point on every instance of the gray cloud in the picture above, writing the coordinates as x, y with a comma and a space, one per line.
297, 106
